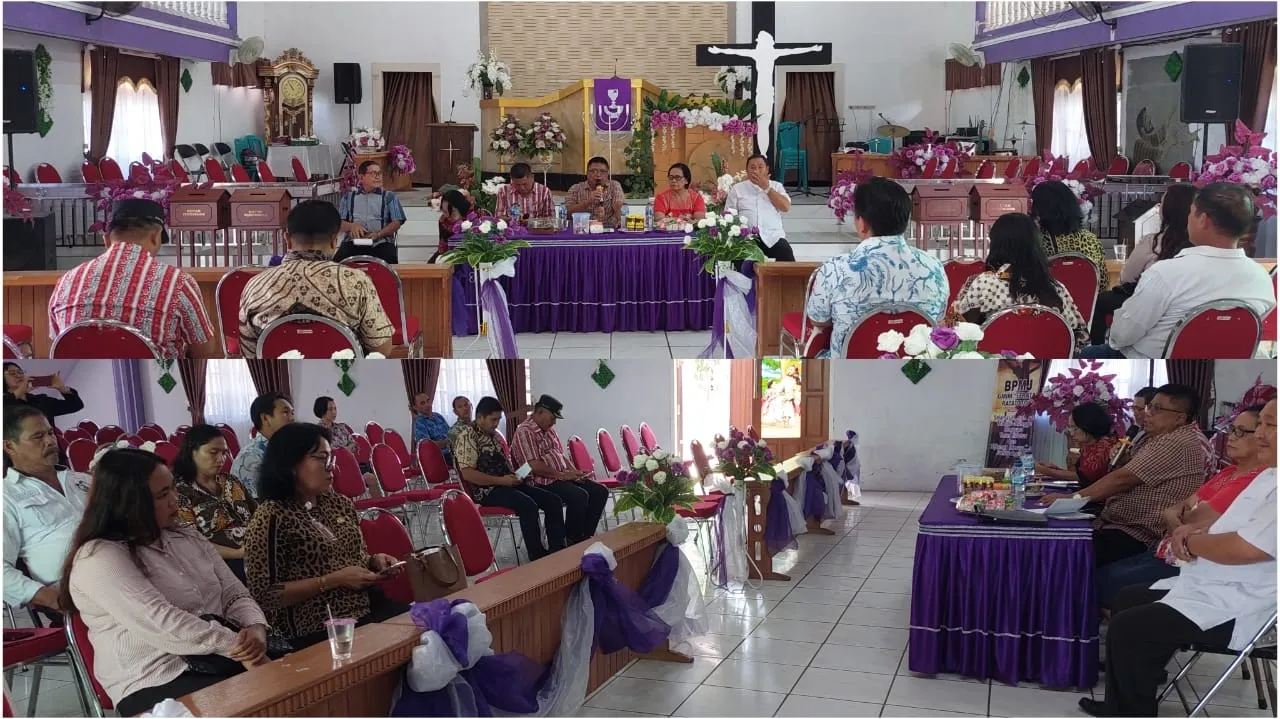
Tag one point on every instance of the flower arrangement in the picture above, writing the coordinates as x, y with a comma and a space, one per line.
740, 130
367, 139
925, 342
656, 484
401, 160
339, 355
909, 161
723, 238
732, 79
719, 193
159, 188
1080, 183
484, 241
1080, 384
841, 200
17, 204
483, 195
1246, 163
744, 459
542, 137
506, 137
488, 75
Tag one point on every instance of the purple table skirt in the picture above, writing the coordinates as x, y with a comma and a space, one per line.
614, 282
1010, 603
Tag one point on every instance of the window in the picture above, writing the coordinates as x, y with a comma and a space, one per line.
462, 377
1069, 137
702, 401
229, 391
135, 128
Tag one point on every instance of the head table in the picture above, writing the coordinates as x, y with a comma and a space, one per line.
1014, 603
612, 282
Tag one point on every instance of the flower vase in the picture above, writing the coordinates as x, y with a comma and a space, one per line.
484, 271
487, 92
737, 91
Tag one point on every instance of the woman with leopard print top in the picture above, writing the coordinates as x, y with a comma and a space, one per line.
304, 554
1056, 209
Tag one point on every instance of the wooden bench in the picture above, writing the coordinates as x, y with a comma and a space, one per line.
523, 608
428, 294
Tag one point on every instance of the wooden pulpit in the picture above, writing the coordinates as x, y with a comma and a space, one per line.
451, 144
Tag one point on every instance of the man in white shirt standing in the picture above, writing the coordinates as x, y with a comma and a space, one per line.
1214, 268
1224, 594
761, 202
43, 503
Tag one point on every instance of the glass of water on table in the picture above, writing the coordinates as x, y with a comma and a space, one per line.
1122, 251
342, 634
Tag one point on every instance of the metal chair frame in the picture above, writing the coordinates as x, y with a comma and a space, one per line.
104, 324
279, 322
1222, 306
1267, 656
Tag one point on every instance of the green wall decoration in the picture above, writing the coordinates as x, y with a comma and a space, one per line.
44, 89
185, 80
345, 383
603, 376
1024, 77
916, 370
1173, 66
166, 381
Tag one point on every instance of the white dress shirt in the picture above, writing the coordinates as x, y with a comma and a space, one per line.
752, 202
38, 525
1168, 291
1211, 594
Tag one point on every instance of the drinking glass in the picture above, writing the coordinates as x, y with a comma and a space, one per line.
342, 634
1122, 251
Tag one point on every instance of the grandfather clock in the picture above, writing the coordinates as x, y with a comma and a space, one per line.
288, 95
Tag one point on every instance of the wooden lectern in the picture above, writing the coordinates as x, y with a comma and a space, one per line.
451, 144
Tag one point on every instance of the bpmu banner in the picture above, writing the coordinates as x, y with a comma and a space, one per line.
1017, 381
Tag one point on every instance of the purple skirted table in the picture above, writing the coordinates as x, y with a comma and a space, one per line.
1014, 603
615, 282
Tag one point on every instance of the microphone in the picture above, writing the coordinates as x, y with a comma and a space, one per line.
452, 104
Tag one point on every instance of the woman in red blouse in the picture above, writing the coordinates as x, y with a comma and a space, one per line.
1091, 430
681, 202
1246, 463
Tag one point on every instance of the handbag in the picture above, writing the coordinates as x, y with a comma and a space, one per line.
435, 572
218, 665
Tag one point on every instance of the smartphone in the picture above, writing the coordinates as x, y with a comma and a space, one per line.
386, 573
42, 380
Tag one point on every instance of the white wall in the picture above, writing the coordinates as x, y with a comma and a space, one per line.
92, 379
209, 114
1001, 107
63, 147
379, 394
1233, 378
644, 390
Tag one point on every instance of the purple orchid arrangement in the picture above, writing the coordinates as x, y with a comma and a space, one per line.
742, 458
655, 484
485, 240
159, 187
1245, 163
841, 200
401, 159
909, 161
1078, 385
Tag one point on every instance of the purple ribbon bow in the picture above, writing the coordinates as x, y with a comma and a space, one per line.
815, 493
623, 618
777, 524
657, 585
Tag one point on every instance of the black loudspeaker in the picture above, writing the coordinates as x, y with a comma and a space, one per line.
21, 104
346, 83
1211, 82
30, 245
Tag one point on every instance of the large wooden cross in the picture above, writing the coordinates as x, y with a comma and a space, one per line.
764, 56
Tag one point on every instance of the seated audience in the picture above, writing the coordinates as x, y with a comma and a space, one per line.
159, 603
599, 196
129, 284
1056, 209
1137, 430
304, 553
492, 482
309, 282
462, 415
1221, 598
371, 216
681, 201
1172, 238
761, 202
216, 504
1166, 467
1017, 274
1213, 269
43, 503
536, 444
455, 205
430, 425
269, 413
883, 269
1091, 431
326, 412
530, 198
19, 389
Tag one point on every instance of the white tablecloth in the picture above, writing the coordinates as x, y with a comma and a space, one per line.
316, 159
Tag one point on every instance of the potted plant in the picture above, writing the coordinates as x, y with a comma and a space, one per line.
655, 484
488, 75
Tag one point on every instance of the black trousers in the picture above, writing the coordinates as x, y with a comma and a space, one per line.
387, 252
144, 700
237, 568
1143, 637
1112, 545
583, 506
525, 500
1108, 303
781, 250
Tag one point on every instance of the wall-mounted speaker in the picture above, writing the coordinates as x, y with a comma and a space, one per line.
346, 83
21, 104
1211, 82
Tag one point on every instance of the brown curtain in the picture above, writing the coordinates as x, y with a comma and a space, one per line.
407, 109
508, 381
168, 71
270, 376
1259, 40
1043, 81
1098, 86
1198, 375
962, 77
241, 74
104, 63
811, 100
192, 372
420, 377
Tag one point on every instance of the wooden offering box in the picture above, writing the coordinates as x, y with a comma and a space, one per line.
260, 209
197, 210
989, 201
941, 204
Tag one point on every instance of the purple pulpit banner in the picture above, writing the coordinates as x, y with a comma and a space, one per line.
612, 104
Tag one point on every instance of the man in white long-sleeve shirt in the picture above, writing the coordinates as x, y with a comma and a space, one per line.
43, 503
1213, 269
762, 201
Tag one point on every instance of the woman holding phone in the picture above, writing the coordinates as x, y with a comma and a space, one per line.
18, 387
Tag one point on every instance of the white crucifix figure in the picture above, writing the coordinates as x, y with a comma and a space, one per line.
766, 55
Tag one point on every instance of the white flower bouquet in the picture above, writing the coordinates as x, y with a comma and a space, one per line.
925, 342
505, 139
729, 79
655, 484
367, 139
542, 137
723, 238
488, 75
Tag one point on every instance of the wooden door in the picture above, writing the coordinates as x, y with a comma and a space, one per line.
745, 405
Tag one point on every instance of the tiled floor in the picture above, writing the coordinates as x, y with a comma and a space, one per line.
830, 643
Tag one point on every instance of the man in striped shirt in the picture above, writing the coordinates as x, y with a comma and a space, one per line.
536, 444
129, 284
532, 197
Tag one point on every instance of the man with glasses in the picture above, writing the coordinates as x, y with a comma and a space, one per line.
371, 216
1168, 465
128, 283
530, 197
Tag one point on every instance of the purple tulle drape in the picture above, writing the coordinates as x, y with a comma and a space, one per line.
662, 576
815, 493
494, 302
717, 325
719, 569
749, 270
777, 523
623, 619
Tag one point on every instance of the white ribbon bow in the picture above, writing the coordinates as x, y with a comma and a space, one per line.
433, 666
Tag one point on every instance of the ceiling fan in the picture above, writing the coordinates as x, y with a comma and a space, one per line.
114, 9
1091, 11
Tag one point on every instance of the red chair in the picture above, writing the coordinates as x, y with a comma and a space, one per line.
648, 439
1119, 166
700, 460
1028, 329
434, 467
506, 448
1080, 276
583, 462
147, 160
1032, 168
384, 534
797, 328
226, 300
348, 480
138, 173
110, 170
229, 434
313, 336
11, 176
987, 170
396, 492
392, 439
930, 169
950, 169
1146, 167
364, 448
1216, 330
299, 172
1012, 169
167, 451
17, 341
152, 433
391, 294
89, 426
608, 451
178, 171
1269, 322
178, 435
110, 434
82, 652
465, 529
265, 173
103, 339
239, 174
630, 443
1180, 171
752, 433
36, 648
80, 453
90, 172
958, 272
374, 432
1083, 167
214, 170
48, 174
865, 335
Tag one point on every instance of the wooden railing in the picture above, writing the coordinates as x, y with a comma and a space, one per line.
1003, 13
209, 12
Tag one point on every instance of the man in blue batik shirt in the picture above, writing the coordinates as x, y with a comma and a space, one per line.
371, 216
270, 412
883, 269
430, 425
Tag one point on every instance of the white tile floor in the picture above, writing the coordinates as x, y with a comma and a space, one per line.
830, 643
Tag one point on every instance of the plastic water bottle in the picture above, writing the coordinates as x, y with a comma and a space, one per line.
648, 217
515, 215
1018, 478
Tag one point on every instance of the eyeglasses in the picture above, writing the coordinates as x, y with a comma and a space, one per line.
674, 178
1241, 432
1157, 408
373, 173
328, 460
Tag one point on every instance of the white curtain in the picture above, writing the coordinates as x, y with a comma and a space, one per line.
462, 377
136, 127
1069, 138
228, 393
